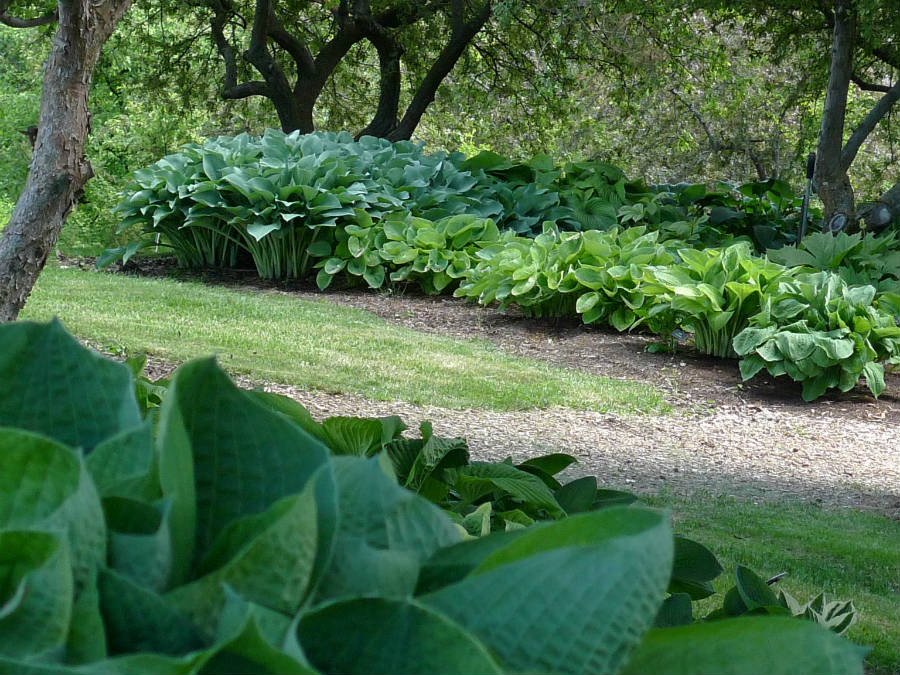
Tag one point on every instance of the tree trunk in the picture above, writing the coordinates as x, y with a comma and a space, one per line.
463, 33
59, 169
830, 180
878, 215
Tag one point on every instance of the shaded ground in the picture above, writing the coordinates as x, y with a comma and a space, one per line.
757, 439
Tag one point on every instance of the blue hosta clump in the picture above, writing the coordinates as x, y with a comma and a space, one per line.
220, 536
281, 198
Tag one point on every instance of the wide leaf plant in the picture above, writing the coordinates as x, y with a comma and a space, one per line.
229, 540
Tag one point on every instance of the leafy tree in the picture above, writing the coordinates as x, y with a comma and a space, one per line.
59, 169
306, 56
861, 38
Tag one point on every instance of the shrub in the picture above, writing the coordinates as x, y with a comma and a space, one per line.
235, 542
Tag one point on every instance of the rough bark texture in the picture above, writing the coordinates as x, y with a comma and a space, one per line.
880, 214
59, 168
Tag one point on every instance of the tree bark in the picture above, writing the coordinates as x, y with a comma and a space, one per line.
59, 169
830, 179
462, 34
878, 215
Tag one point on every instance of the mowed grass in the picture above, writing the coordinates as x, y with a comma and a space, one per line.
315, 345
847, 554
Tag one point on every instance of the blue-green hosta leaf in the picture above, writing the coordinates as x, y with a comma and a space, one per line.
676, 610
246, 640
137, 619
795, 346
86, 641
452, 563
765, 645
35, 593
45, 486
521, 602
750, 338
124, 465
271, 565
89, 398
140, 543
377, 635
242, 455
260, 230
384, 534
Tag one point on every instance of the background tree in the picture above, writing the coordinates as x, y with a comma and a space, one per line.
854, 42
59, 169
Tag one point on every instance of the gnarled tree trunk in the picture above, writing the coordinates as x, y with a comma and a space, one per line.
59, 169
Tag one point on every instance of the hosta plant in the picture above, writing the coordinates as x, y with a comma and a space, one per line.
712, 293
820, 331
596, 274
405, 248
226, 539
872, 260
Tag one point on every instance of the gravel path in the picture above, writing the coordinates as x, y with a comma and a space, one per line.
751, 453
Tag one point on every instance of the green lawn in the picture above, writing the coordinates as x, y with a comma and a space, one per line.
315, 345
848, 554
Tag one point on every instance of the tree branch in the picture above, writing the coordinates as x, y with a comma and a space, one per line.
868, 86
16, 22
714, 143
246, 90
292, 45
461, 36
862, 131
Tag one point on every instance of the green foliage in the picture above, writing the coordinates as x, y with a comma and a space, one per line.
285, 200
822, 332
712, 293
596, 274
836, 615
859, 260
252, 549
434, 254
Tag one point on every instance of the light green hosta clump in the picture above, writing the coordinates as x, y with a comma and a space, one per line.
221, 537
434, 254
712, 293
822, 332
596, 274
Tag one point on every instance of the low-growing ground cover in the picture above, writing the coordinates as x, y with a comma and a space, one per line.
555, 240
820, 558
315, 345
